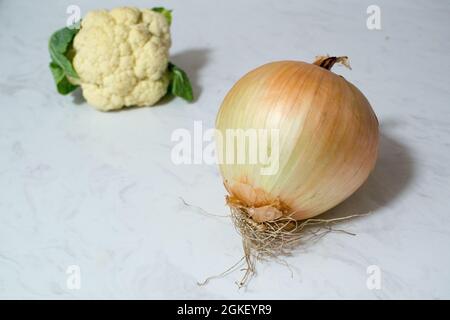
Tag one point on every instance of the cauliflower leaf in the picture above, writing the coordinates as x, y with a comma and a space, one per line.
63, 85
180, 85
60, 66
165, 12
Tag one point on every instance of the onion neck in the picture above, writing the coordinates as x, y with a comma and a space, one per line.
328, 62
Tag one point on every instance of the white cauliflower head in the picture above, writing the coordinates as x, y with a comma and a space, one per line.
121, 57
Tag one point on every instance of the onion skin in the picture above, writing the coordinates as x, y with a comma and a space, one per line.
328, 136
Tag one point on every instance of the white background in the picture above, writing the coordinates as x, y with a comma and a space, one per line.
99, 190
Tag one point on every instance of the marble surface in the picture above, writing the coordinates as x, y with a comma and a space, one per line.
99, 191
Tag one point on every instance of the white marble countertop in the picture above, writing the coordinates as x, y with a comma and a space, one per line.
99, 191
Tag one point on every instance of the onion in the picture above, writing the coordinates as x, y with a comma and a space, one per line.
327, 142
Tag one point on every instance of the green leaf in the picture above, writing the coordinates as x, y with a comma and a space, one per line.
61, 67
58, 73
166, 13
180, 85
62, 83
61, 39
59, 44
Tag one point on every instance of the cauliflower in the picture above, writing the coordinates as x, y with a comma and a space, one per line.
119, 58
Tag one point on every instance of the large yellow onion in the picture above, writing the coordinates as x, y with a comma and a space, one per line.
328, 139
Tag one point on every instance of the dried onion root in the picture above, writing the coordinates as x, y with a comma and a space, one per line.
270, 240
275, 238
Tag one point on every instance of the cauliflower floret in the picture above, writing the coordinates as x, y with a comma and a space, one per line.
121, 57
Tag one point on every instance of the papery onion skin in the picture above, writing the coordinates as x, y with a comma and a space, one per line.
328, 137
